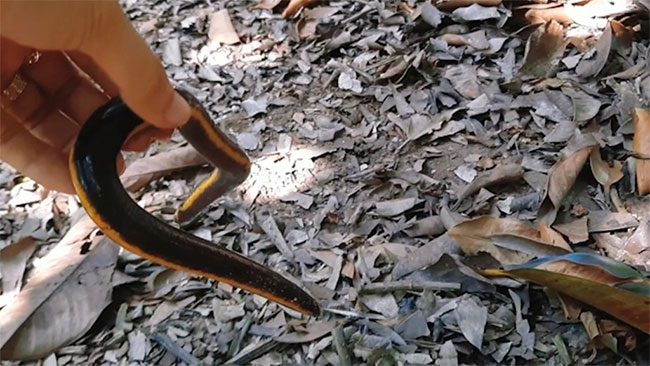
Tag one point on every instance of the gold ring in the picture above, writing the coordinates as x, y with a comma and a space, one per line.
16, 88
33, 57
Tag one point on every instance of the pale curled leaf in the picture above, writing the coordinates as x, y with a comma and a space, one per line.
396, 206
472, 317
221, 28
38, 290
384, 304
13, 260
72, 305
476, 12
425, 255
142, 171
448, 355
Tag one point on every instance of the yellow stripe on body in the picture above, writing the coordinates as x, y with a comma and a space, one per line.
134, 248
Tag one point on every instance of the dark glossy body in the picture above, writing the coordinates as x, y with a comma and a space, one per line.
95, 177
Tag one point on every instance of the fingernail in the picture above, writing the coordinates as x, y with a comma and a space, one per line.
178, 112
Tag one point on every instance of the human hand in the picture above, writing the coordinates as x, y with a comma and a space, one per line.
59, 62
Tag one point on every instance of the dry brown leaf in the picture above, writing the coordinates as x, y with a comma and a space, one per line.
605, 174
221, 28
594, 65
502, 174
577, 231
142, 171
562, 177
306, 28
548, 235
454, 39
543, 50
637, 245
509, 241
71, 287
641, 120
13, 260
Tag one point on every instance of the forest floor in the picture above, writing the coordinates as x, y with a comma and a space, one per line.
399, 149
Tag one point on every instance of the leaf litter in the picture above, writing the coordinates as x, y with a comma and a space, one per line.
400, 150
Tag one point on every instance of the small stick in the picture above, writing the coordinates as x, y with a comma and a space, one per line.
373, 288
172, 347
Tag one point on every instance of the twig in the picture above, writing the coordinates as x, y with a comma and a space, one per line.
246, 356
408, 286
172, 347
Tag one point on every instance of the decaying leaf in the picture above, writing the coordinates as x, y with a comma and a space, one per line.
543, 49
13, 261
603, 172
509, 241
425, 255
472, 317
69, 303
448, 355
594, 280
395, 207
577, 231
142, 171
502, 174
476, 12
446, 5
605, 221
589, 67
561, 179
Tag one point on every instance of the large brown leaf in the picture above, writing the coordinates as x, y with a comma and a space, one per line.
603, 172
509, 241
561, 179
598, 281
543, 49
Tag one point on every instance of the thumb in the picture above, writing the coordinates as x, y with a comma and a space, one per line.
101, 30
126, 58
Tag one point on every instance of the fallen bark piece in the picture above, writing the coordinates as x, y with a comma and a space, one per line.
641, 119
